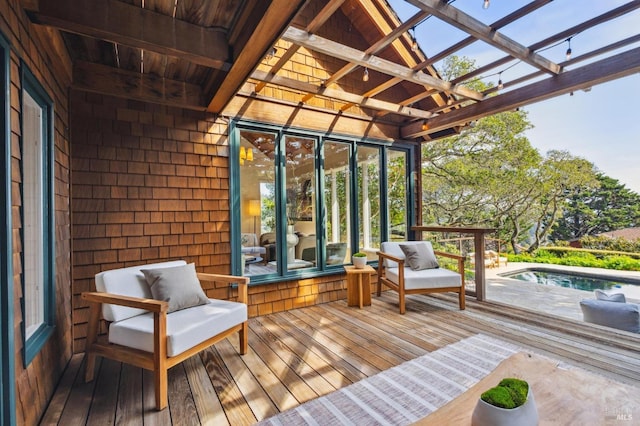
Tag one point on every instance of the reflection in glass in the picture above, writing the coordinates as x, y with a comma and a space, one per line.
397, 195
300, 183
337, 196
369, 198
257, 202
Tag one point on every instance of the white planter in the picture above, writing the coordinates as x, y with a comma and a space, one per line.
359, 262
487, 415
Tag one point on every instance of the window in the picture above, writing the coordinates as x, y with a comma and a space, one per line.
306, 201
38, 300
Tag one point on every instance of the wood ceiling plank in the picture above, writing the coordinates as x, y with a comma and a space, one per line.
130, 25
340, 95
477, 29
349, 54
133, 85
618, 66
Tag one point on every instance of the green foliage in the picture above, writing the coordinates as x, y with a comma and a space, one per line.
608, 243
591, 210
580, 257
359, 254
490, 175
510, 393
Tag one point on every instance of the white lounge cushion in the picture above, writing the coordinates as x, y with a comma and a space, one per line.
127, 282
185, 328
426, 278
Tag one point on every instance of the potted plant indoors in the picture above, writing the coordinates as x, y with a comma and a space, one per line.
359, 260
510, 403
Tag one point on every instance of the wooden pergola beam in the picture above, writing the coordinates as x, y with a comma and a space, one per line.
598, 72
133, 26
349, 54
327, 11
340, 95
274, 21
483, 32
607, 16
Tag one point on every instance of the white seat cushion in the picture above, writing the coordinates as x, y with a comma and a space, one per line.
127, 282
185, 328
426, 278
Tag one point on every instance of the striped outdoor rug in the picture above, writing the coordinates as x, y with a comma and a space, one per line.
406, 393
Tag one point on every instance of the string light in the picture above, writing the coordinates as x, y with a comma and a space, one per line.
500, 85
365, 75
485, 5
569, 49
425, 126
271, 54
414, 40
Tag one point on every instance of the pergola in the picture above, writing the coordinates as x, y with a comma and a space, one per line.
199, 54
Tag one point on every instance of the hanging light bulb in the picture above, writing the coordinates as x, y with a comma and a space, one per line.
414, 40
569, 49
500, 85
365, 75
485, 5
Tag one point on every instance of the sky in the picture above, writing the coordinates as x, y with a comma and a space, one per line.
601, 125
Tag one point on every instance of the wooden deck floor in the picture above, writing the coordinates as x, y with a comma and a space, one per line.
301, 354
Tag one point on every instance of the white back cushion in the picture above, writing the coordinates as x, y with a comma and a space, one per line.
127, 282
393, 248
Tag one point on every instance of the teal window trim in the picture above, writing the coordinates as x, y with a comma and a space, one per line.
236, 126
7, 347
36, 341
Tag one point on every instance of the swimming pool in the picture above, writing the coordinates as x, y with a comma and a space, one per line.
566, 279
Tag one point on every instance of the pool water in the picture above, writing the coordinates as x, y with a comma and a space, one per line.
565, 279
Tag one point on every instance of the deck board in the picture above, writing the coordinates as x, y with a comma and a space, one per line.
298, 355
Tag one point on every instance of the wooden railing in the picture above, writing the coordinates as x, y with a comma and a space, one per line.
478, 244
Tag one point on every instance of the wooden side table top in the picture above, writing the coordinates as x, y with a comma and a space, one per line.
350, 269
562, 396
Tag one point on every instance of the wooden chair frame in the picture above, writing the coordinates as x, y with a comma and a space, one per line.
158, 361
382, 279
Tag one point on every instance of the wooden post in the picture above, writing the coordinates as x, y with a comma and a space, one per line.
478, 244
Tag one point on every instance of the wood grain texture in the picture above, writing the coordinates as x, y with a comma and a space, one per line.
562, 396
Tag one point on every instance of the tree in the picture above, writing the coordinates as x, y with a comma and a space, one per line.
490, 175
605, 207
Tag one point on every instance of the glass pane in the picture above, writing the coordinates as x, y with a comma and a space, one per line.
33, 216
337, 199
300, 183
369, 199
257, 202
397, 195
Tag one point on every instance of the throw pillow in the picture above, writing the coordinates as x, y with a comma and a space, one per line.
178, 285
613, 297
419, 256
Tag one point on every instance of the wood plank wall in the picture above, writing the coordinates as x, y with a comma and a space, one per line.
42, 51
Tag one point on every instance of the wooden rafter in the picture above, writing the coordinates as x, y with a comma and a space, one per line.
132, 26
349, 54
607, 16
97, 78
618, 66
340, 95
485, 33
327, 11
523, 11
262, 38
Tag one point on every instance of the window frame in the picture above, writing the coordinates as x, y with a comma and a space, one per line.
282, 274
7, 346
41, 335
